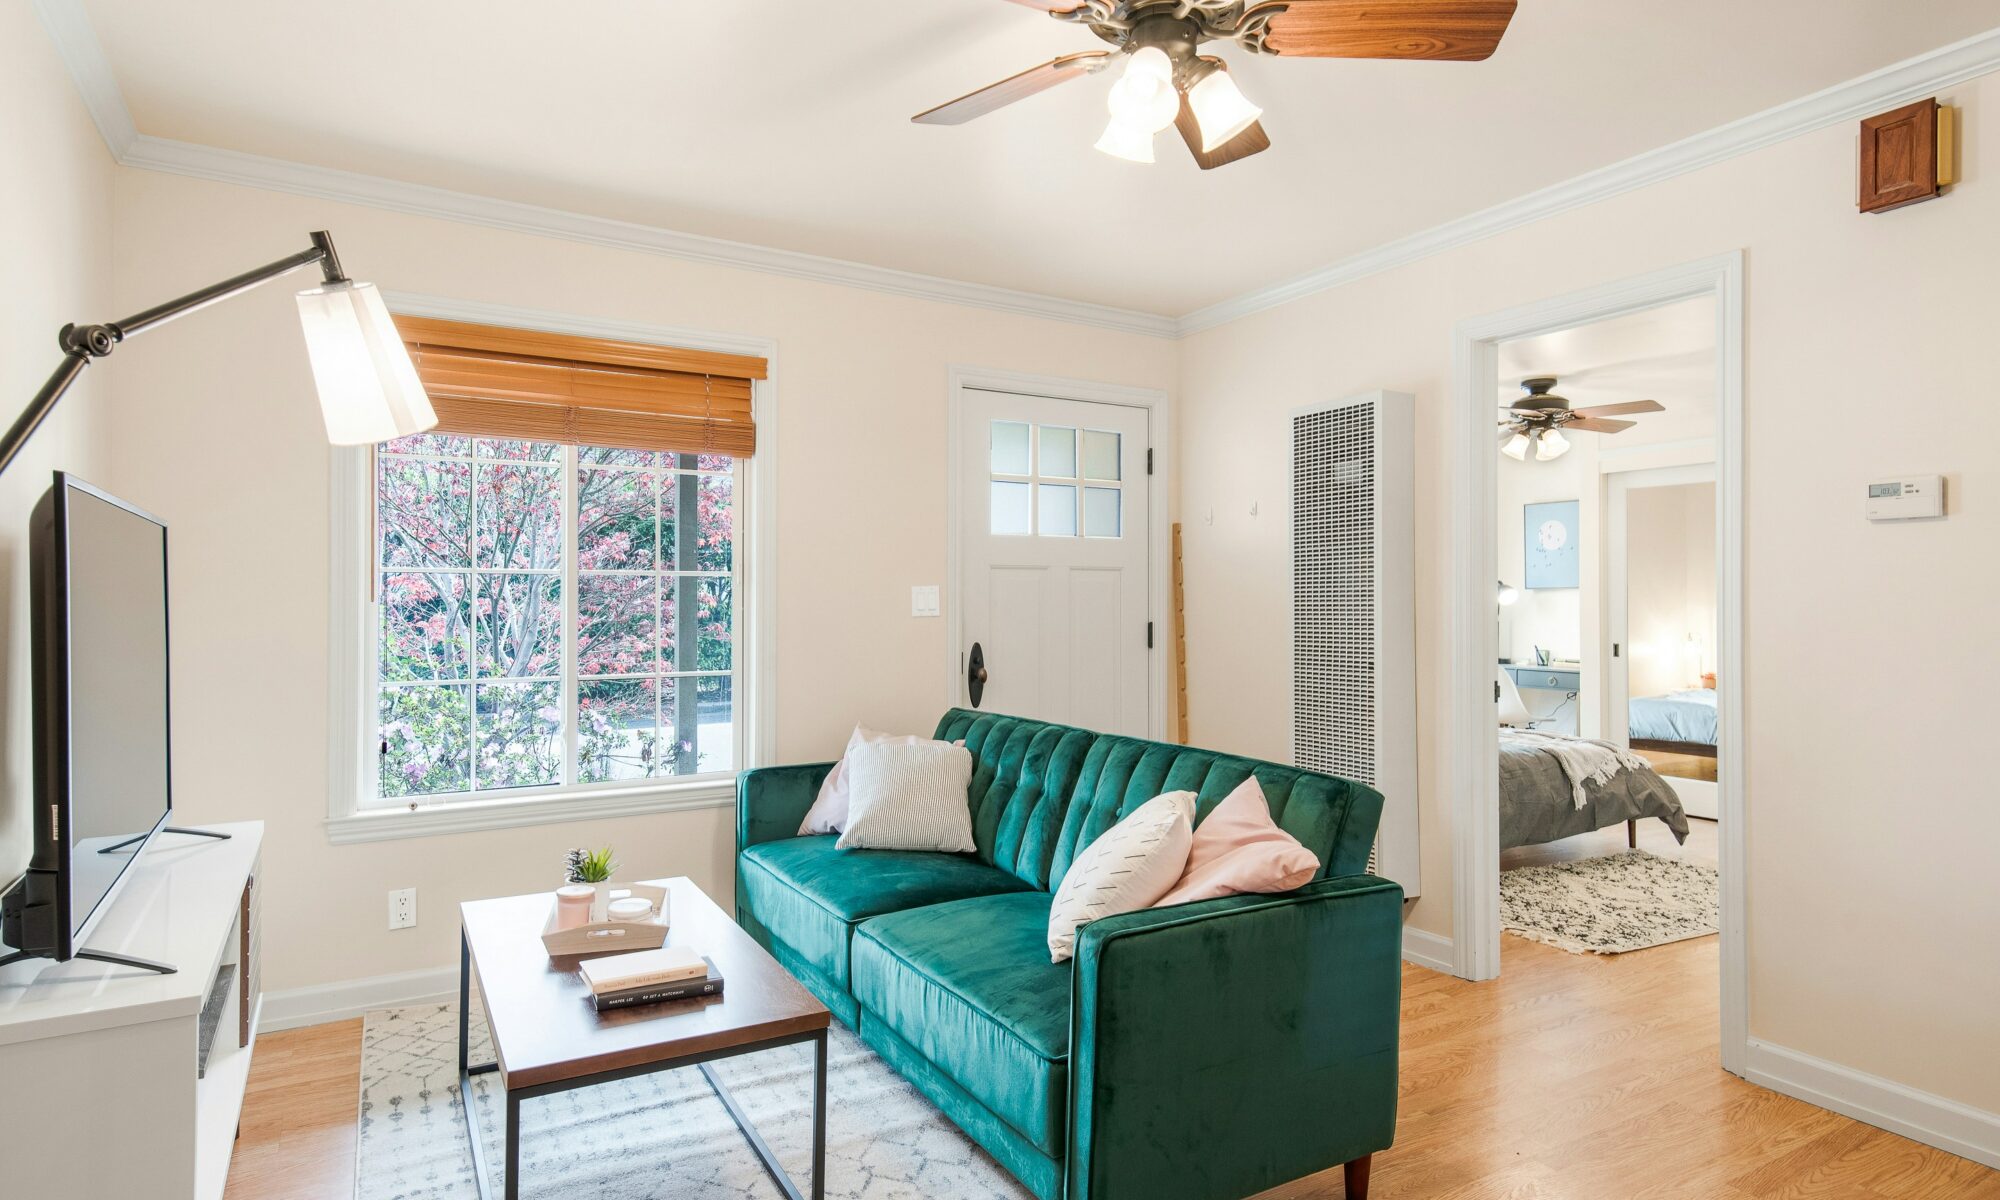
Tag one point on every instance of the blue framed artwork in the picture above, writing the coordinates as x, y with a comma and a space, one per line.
1549, 545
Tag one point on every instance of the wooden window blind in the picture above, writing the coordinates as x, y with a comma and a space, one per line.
497, 382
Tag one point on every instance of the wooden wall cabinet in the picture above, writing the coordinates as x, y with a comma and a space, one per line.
1906, 156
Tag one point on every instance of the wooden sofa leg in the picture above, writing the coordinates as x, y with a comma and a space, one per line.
1632, 835
1357, 1177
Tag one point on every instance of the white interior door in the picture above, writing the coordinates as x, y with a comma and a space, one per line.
1053, 579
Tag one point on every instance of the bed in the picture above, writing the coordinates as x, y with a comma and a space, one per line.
1537, 803
1681, 722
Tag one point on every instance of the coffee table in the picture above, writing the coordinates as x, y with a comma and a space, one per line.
547, 1038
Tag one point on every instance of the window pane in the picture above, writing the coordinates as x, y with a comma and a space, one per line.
424, 510
715, 722
605, 456
1101, 511
519, 517
670, 630
430, 443
615, 525
425, 626
615, 624
520, 734
715, 462
425, 739
714, 503
517, 451
1058, 452
1100, 454
518, 625
713, 618
1010, 508
617, 731
1057, 509
1010, 448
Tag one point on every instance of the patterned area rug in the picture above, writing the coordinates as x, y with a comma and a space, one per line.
654, 1137
1609, 905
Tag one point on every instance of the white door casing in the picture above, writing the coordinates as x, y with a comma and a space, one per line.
1053, 580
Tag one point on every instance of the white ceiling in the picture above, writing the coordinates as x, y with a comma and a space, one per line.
1665, 354
786, 123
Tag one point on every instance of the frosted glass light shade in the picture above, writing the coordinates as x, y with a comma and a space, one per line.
1516, 447
1220, 109
368, 388
1145, 96
1553, 445
1122, 139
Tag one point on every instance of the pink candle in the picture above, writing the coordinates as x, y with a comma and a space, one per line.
573, 905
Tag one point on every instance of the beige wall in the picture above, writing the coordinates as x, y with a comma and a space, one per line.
221, 436
1670, 586
1872, 902
55, 235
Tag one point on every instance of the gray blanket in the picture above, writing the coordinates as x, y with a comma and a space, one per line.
1536, 804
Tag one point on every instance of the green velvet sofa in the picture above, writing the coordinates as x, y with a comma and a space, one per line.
1204, 1051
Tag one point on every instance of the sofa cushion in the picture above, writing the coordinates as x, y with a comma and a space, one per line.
809, 895
1023, 773
969, 985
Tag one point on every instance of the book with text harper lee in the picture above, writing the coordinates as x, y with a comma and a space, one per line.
686, 989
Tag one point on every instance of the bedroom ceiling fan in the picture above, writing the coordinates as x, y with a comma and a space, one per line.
1539, 418
1168, 81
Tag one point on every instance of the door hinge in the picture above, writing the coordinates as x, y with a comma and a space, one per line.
1149, 635
1149, 460
1614, 649
1496, 691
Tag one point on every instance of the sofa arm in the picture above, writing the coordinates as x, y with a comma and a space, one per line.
1224, 1047
772, 802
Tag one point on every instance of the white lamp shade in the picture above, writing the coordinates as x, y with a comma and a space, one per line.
1516, 447
1123, 139
368, 388
1552, 445
1220, 109
1506, 595
1144, 99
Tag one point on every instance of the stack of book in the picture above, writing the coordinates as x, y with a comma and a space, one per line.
649, 976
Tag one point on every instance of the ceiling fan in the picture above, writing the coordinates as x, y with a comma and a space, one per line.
1539, 418
1168, 81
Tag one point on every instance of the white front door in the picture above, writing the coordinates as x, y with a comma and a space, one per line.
1053, 577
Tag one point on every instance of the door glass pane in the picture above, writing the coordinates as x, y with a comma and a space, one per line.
1058, 510
1100, 454
1010, 507
1010, 448
1058, 452
1101, 513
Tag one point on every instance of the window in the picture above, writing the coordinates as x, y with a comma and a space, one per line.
551, 615
1038, 488
556, 573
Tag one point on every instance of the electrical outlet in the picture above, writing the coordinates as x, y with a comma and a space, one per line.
403, 908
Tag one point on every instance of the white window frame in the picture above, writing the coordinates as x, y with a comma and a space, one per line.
353, 812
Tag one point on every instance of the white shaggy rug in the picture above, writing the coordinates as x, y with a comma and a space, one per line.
654, 1137
1609, 905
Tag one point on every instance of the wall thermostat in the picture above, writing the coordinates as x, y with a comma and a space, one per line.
1906, 499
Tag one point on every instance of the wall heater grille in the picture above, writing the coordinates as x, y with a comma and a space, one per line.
1353, 635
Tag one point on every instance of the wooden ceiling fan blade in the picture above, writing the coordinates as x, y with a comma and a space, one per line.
1619, 410
1054, 6
1598, 425
1251, 141
1014, 87
1451, 30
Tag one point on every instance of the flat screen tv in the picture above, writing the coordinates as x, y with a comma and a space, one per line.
102, 776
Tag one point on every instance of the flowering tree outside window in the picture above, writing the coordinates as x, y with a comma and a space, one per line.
552, 616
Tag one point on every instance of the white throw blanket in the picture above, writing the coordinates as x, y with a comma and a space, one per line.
1582, 759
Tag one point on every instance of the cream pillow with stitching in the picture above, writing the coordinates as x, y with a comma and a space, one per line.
908, 796
1129, 867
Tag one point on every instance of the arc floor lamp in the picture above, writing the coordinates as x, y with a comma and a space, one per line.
368, 390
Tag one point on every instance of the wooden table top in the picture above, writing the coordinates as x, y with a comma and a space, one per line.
545, 1030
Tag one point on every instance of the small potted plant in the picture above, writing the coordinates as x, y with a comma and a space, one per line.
589, 866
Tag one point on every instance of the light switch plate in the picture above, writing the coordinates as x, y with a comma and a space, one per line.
924, 600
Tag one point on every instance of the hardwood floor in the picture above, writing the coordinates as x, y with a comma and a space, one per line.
1571, 1077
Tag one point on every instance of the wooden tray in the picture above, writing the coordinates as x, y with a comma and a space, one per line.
605, 936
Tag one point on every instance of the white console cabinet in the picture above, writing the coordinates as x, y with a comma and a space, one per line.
102, 1091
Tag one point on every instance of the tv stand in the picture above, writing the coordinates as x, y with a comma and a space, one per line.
207, 833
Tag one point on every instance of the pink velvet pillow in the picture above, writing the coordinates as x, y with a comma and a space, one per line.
1238, 848
829, 811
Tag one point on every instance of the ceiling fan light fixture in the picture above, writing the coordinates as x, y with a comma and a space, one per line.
1144, 97
1552, 445
1123, 139
1220, 109
1516, 447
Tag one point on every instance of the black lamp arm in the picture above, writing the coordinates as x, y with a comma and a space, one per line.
82, 343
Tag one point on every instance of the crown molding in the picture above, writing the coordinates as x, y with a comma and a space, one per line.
1900, 83
68, 25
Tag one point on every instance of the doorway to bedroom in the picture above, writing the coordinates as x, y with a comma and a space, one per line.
1596, 586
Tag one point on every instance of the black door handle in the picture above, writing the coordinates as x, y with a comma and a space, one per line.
975, 674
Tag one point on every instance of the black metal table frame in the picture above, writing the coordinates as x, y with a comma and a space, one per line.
467, 1069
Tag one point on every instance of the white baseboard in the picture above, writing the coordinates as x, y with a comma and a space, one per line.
1427, 950
1933, 1120
316, 1005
